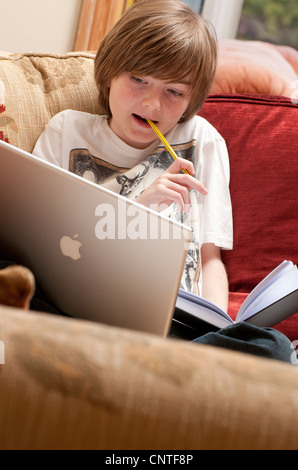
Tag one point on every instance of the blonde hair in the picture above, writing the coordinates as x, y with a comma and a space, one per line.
160, 38
17, 286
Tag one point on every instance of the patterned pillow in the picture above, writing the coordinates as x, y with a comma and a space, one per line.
35, 87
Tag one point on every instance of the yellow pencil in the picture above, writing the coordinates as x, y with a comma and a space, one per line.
165, 142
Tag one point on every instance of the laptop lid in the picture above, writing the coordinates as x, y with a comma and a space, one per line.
96, 255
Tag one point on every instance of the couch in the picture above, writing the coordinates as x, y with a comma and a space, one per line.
72, 384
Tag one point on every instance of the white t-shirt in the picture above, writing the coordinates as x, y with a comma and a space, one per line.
85, 144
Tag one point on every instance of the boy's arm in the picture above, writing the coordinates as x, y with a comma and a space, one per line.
215, 281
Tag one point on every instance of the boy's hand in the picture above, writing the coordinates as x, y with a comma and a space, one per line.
172, 186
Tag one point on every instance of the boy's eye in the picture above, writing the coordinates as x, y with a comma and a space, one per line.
137, 79
175, 92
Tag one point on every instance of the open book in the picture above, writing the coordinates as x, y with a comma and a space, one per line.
273, 300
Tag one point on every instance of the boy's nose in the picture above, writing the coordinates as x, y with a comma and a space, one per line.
152, 101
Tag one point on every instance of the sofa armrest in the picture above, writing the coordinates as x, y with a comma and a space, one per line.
69, 384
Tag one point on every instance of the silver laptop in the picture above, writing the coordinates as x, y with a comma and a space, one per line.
95, 254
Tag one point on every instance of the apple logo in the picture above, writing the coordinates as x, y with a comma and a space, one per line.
70, 247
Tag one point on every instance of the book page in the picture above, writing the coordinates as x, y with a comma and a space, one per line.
264, 284
202, 309
277, 312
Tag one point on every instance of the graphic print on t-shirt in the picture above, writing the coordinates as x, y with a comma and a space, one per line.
133, 181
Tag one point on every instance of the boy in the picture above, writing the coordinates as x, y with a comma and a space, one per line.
157, 63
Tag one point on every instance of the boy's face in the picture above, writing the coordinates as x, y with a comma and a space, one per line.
134, 98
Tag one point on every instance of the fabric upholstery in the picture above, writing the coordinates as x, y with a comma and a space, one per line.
34, 87
69, 384
290, 54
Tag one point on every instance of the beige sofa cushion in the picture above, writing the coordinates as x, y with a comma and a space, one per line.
72, 384
35, 87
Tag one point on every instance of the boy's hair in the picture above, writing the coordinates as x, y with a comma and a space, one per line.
160, 38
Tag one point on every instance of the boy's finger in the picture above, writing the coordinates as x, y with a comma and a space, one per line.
189, 182
180, 164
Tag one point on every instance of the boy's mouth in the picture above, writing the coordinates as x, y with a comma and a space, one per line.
144, 120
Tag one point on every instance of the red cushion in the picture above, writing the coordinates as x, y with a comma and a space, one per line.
261, 135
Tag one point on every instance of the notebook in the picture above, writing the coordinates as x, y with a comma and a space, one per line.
96, 255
